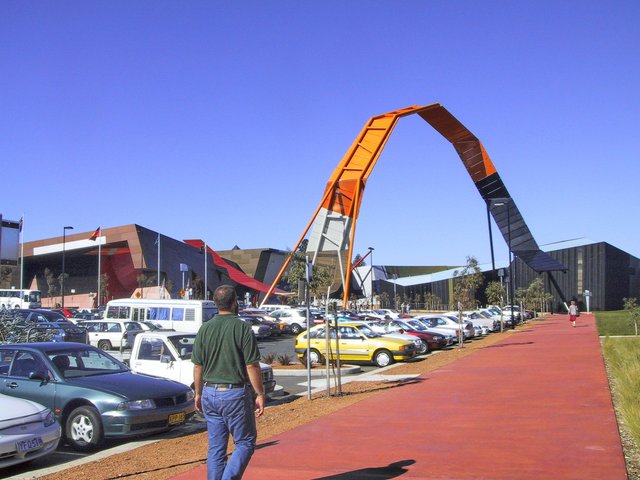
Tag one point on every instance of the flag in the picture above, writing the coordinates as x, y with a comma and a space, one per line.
94, 236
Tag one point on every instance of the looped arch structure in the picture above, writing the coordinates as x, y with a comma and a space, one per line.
333, 224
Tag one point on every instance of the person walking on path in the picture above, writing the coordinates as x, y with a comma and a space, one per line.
228, 386
573, 312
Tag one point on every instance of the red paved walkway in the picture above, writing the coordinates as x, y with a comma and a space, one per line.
534, 406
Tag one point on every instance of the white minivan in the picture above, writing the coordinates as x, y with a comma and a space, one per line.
173, 314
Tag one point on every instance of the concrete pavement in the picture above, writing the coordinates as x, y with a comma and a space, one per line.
535, 405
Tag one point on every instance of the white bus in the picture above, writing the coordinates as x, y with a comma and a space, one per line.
16, 298
179, 315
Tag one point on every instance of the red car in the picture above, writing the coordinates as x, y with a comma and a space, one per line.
434, 341
65, 311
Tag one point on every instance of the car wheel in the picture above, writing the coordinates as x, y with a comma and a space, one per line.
83, 429
296, 329
315, 356
104, 345
421, 347
382, 358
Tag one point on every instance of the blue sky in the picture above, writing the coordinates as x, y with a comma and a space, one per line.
224, 120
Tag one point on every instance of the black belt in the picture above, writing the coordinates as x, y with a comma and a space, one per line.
224, 386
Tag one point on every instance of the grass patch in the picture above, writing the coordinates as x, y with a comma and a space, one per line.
614, 323
623, 362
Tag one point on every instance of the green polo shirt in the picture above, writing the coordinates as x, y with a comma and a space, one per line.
224, 346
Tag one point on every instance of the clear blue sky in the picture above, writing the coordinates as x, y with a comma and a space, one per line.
223, 120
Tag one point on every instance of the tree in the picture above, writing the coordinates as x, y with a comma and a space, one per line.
466, 282
52, 288
633, 311
5, 276
495, 293
321, 275
384, 299
536, 294
62, 279
431, 300
103, 294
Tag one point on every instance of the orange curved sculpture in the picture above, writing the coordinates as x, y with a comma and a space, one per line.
333, 224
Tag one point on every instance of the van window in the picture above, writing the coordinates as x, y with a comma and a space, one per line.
159, 313
177, 314
118, 312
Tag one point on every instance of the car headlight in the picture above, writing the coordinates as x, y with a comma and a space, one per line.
50, 419
137, 405
438, 338
190, 395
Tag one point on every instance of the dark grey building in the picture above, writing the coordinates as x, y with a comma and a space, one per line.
606, 272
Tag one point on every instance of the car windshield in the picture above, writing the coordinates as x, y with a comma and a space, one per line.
84, 362
151, 325
183, 344
417, 325
367, 331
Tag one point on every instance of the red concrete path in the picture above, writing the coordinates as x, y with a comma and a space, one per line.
534, 406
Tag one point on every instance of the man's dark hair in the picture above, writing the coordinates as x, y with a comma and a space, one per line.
225, 297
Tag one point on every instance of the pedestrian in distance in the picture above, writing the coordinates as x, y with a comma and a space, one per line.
228, 386
573, 312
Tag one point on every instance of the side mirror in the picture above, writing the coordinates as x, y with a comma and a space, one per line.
39, 375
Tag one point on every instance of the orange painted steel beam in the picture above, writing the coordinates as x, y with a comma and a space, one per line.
343, 194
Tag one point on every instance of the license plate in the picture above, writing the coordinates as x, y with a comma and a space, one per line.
177, 418
30, 444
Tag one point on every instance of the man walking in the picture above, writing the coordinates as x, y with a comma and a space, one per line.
227, 379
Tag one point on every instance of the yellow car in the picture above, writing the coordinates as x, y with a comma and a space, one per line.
357, 342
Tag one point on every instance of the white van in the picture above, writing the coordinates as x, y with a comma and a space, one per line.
179, 315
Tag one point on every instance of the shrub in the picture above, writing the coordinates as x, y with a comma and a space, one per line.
284, 359
269, 358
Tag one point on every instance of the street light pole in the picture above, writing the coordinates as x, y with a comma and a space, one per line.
511, 274
371, 249
64, 241
206, 277
395, 295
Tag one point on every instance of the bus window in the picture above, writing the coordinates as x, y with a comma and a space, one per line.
177, 314
159, 313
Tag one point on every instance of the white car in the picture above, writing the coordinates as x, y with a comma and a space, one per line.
27, 431
259, 330
443, 321
294, 319
384, 329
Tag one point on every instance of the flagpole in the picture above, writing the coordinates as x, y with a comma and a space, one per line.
205, 272
99, 267
158, 264
22, 252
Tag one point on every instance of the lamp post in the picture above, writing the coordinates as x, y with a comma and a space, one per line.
371, 249
64, 241
501, 202
395, 295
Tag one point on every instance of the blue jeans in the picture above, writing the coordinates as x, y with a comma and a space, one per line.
229, 412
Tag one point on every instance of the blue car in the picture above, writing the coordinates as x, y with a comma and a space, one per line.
93, 395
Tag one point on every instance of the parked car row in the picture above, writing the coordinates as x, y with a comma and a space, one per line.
40, 324
355, 342
92, 395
